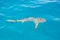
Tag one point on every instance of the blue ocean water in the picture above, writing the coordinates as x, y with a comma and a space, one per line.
19, 9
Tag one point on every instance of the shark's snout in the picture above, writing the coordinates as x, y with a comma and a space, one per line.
42, 20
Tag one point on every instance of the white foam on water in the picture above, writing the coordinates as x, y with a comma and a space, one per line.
34, 4
56, 19
30, 6
44, 1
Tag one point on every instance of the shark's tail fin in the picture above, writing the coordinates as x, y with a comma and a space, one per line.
11, 20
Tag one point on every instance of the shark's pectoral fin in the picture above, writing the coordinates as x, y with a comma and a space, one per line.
36, 24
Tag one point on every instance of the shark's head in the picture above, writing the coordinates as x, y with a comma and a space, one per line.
41, 20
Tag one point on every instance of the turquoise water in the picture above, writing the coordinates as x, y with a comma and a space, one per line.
12, 9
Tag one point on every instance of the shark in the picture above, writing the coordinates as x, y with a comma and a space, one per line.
35, 20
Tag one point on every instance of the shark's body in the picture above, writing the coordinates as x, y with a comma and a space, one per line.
35, 20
